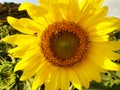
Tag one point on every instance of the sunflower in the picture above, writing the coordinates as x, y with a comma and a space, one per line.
64, 41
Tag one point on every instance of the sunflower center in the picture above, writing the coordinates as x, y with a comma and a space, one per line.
64, 43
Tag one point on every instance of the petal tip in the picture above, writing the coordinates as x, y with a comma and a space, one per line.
15, 69
11, 19
24, 6
5, 39
22, 78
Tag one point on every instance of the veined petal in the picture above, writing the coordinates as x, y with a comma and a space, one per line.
84, 7
32, 25
53, 80
98, 3
20, 39
109, 65
46, 3
20, 26
27, 60
42, 75
96, 18
28, 70
72, 6
88, 10
39, 14
103, 62
63, 79
82, 78
103, 38
92, 71
108, 46
54, 11
60, 78
37, 9
18, 51
104, 27
107, 22
21, 51
74, 79
107, 54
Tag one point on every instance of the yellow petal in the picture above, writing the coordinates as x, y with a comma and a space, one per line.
55, 12
54, 8
20, 39
22, 51
74, 79
98, 3
96, 18
53, 80
31, 68
37, 9
88, 71
63, 79
105, 63
42, 75
82, 4
20, 26
107, 54
92, 71
88, 8
85, 6
82, 78
72, 6
107, 46
37, 13
58, 80
103, 38
31, 25
27, 60
104, 27
45, 3
18, 51
110, 65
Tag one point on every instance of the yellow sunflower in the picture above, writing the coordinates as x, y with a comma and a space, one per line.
64, 41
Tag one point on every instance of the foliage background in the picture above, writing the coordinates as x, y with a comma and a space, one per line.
9, 80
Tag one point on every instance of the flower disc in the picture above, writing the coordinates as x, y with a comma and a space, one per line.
64, 43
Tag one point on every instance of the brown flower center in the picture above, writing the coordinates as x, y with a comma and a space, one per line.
64, 43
